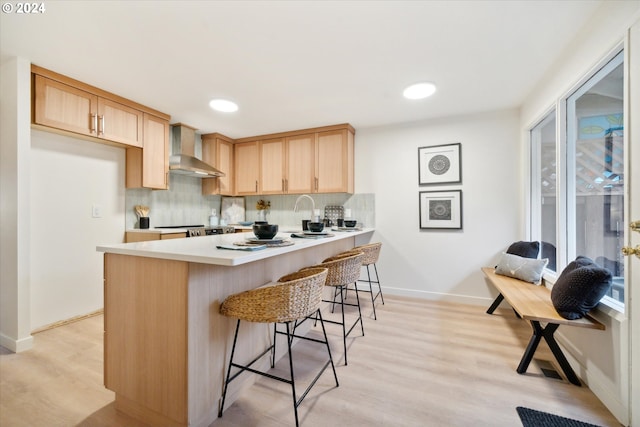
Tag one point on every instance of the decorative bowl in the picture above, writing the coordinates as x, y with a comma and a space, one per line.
245, 223
350, 222
315, 226
265, 231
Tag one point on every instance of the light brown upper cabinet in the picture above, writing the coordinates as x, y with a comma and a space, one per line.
155, 153
334, 161
65, 107
272, 166
318, 160
299, 163
68, 106
119, 123
286, 165
217, 150
61, 106
148, 167
247, 168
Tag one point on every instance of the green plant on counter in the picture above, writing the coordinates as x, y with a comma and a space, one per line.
263, 205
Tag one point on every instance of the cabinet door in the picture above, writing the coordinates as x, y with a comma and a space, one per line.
64, 107
299, 167
155, 153
334, 162
225, 164
119, 123
219, 153
272, 164
247, 167
135, 236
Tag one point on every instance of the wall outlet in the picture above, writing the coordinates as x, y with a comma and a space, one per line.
96, 211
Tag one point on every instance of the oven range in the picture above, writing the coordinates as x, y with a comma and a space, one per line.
201, 230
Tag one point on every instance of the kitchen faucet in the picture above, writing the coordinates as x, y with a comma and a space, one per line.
313, 204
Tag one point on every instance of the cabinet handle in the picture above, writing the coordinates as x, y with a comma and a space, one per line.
316, 184
283, 187
101, 125
286, 185
256, 186
93, 123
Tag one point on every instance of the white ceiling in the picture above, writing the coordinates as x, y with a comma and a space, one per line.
299, 64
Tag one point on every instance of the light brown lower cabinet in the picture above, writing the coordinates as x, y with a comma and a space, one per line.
145, 236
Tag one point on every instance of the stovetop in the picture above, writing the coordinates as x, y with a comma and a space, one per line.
182, 226
202, 230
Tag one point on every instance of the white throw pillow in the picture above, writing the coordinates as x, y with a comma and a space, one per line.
527, 269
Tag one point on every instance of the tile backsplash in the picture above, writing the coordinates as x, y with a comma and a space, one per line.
184, 204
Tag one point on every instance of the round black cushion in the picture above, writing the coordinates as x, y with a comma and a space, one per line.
580, 287
524, 249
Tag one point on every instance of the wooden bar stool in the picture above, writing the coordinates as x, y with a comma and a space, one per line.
296, 296
371, 253
343, 270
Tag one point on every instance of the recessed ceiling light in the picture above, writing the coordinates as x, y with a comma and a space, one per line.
419, 90
223, 105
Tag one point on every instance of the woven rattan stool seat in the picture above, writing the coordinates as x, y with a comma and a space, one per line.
294, 297
343, 269
371, 253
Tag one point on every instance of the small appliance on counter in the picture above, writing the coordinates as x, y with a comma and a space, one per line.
213, 218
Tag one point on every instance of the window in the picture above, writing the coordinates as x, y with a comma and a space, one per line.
543, 139
577, 193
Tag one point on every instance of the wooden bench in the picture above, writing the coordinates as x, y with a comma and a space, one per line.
533, 303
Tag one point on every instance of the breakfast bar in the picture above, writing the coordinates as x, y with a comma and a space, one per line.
165, 343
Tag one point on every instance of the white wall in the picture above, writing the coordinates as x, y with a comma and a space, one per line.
68, 177
15, 83
601, 358
440, 264
601, 34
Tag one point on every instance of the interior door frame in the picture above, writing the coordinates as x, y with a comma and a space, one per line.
632, 266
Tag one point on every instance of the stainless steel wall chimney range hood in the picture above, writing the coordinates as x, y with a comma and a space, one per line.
183, 160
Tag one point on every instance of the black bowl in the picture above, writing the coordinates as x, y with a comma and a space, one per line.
350, 222
265, 231
315, 226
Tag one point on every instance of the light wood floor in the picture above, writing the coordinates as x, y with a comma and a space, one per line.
422, 363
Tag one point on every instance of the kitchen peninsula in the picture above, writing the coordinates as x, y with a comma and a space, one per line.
165, 343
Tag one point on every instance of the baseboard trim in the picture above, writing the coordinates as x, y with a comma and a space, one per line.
14, 345
596, 381
67, 321
437, 296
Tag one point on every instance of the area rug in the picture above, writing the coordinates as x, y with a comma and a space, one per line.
533, 418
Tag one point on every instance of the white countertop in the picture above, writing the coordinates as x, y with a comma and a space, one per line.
203, 249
